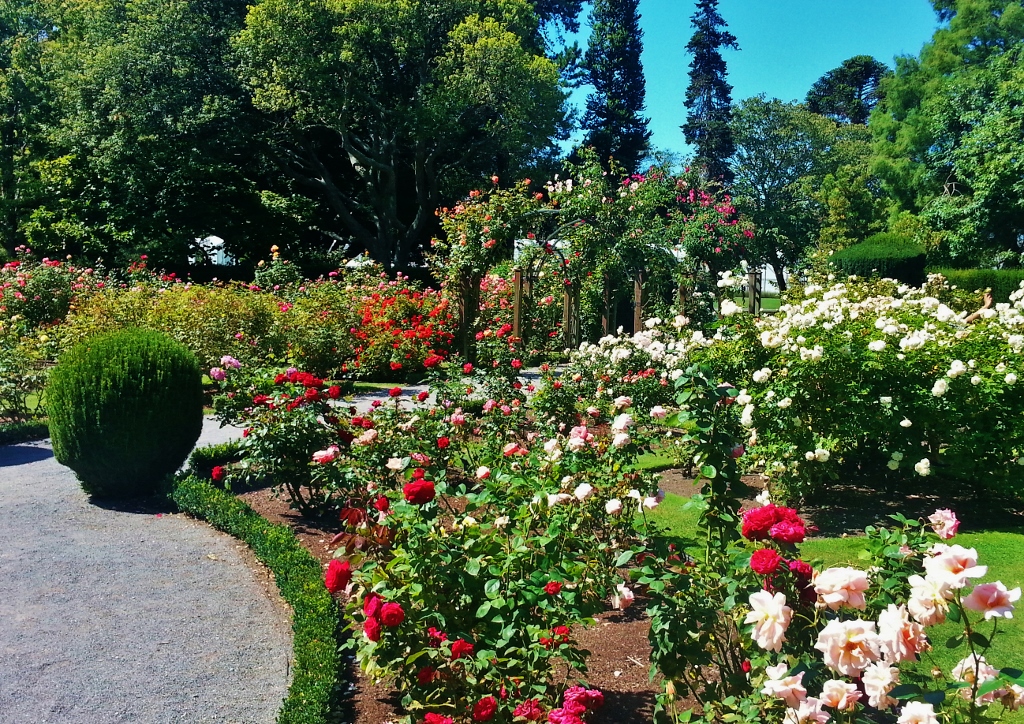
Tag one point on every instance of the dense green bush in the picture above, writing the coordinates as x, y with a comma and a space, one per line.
884, 255
125, 410
312, 696
11, 433
1002, 282
204, 459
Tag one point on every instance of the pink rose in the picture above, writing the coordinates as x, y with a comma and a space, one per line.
842, 586
944, 523
770, 616
325, 456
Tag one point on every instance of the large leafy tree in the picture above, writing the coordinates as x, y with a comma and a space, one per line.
947, 143
384, 109
848, 93
614, 120
709, 95
148, 143
783, 153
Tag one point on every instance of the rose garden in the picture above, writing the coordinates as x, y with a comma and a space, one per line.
766, 507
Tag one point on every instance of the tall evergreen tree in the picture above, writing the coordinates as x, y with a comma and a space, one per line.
709, 96
849, 93
614, 124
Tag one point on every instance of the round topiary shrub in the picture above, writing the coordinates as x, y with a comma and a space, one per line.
884, 255
125, 410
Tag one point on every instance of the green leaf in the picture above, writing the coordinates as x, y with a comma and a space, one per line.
905, 691
979, 640
492, 587
484, 609
708, 471
954, 614
954, 641
624, 558
473, 566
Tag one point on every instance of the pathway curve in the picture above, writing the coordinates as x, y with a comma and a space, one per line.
117, 615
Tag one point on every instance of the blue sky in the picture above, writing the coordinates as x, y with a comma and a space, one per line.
785, 45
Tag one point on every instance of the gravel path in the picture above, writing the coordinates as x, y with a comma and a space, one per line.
117, 615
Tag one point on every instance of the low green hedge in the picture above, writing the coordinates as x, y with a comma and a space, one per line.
204, 459
12, 433
885, 255
313, 697
1002, 282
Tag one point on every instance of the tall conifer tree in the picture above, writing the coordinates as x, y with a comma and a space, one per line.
614, 122
709, 96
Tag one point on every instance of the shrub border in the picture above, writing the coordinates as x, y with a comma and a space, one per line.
11, 433
316, 623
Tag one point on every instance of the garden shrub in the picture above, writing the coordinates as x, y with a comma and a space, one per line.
125, 409
316, 666
204, 459
884, 255
11, 433
1002, 282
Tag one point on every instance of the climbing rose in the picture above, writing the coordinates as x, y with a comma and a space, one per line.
418, 492
391, 614
461, 648
485, 709
338, 575
765, 561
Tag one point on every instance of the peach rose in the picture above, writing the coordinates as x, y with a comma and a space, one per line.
788, 688
900, 639
849, 646
770, 616
992, 599
879, 679
929, 600
917, 712
944, 523
842, 586
954, 564
839, 695
809, 711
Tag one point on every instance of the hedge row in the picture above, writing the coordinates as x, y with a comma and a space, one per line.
884, 255
12, 433
313, 697
1002, 282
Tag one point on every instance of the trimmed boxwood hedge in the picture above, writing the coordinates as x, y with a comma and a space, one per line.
1002, 282
885, 255
12, 433
314, 694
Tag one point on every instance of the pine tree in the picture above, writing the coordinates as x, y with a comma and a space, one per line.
709, 96
613, 121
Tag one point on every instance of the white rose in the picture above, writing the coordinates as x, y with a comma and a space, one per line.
583, 491
1011, 379
940, 387
924, 467
906, 423
613, 506
501, 521
621, 439
822, 455
877, 346
784, 403
975, 380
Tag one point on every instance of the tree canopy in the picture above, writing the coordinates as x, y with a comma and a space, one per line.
848, 93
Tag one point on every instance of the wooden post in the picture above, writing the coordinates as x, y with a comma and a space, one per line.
638, 304
754, 292
517, 302
567, 318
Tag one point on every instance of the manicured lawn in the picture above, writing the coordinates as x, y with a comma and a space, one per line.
1003, 553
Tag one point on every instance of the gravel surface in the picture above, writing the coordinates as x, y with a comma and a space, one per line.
126, 615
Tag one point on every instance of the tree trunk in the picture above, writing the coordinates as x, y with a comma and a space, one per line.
780, 275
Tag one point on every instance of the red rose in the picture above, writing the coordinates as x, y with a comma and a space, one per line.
516, 364
418, 492
467, 368
443, 442
371, 605
433, 361
788, 532
391, 614
312, 394
218, 473
765, 561
758, 521
553, 588
395, 366
419, 474
382, 504
395, 392
461, 648
530, 710
422, 396
426, 675
436, 637
334, 392
371, 628
485, 709
802, 570
338, 575
432, 718
746, 667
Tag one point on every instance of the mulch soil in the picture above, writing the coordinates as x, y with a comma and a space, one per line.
619, 662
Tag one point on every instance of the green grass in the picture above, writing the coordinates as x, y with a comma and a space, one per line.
656, 462
1002, 552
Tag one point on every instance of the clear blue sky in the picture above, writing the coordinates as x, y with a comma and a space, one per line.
785, 45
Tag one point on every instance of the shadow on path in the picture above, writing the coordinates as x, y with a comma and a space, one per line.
13, 455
